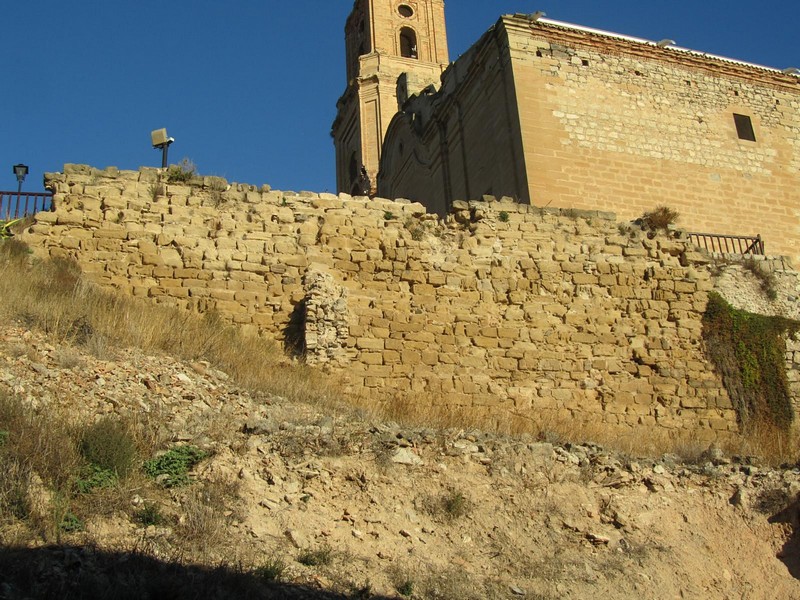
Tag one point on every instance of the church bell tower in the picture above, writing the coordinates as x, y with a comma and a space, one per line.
394, 49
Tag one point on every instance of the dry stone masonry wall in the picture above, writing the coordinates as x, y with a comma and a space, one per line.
504, 309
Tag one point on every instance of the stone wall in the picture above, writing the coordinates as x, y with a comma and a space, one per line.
627, 126
559, 116
503, 309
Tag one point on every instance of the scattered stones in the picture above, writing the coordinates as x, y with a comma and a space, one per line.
406, 456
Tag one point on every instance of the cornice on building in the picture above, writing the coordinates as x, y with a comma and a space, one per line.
578, 34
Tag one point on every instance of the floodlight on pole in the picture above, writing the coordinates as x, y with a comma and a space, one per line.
161, 142
21, 171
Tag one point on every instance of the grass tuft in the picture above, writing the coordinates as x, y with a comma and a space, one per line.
272, 570
316, 558
109, 446
182, 172
149, 514
659, 219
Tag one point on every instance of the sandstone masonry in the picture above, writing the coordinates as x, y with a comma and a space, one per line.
504, 309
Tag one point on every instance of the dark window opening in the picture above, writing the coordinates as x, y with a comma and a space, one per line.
744, 127
408, 43
353, 169
405, 11
539, 53
585, 62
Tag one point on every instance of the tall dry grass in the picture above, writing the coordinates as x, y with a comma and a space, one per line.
770, 444
52, 295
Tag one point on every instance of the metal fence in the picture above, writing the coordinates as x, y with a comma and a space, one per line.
728, 244
16, 205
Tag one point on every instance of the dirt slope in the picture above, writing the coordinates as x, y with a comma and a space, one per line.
393, 510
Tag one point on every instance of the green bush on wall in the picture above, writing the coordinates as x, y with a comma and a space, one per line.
749, 350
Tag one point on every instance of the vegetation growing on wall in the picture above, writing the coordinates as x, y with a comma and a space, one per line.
659, 219
749, 350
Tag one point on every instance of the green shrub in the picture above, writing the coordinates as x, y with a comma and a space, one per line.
71, 523
272, 570
388, 216
149, 515
455, 504
405, 587
173, 467
503, 216
109, 446
13, 249
182, 172
92, 477
749, 351
315, 558
450, 505
14, 482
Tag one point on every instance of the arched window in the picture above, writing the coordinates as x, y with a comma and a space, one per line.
408, 43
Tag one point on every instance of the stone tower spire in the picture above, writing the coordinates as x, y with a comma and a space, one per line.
394, 48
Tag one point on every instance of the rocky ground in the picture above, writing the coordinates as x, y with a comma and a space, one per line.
369, 508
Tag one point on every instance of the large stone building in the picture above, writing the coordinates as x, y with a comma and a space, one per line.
559, 115
394, 49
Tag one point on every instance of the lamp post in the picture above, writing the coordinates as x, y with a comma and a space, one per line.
20, 171
161, 142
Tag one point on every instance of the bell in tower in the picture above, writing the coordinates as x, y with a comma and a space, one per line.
384, 41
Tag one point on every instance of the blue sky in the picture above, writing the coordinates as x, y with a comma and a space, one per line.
248, 88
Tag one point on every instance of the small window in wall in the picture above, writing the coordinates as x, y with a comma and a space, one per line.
744, 127
405, 11
408, 43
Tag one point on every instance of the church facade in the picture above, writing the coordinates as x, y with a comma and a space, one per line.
560, 115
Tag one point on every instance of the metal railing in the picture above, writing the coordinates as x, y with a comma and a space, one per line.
16, 205
728, 244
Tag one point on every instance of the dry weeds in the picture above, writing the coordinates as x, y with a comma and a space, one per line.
52, 295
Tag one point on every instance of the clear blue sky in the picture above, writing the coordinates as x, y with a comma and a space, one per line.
248, 87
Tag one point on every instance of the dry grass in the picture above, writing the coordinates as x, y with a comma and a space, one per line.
38, 461
53, 296
768, 443
660, 218
202, 521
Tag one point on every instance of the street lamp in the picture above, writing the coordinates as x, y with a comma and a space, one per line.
20, 171
161, 142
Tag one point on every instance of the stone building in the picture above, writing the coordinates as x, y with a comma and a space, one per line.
560, 115
394, 49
